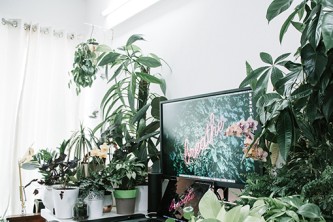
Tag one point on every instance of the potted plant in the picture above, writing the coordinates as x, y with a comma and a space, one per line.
57, 171
81, 144
297, 114
94, 186
123, 176
126, 104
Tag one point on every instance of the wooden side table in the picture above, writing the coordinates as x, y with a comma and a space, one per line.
26, 218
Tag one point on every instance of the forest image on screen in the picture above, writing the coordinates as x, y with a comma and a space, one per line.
207, 137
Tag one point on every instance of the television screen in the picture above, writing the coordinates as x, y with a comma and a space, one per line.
206, 137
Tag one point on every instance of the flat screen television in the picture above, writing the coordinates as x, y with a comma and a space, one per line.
202, 137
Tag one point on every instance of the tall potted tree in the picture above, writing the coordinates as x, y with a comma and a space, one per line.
125, 106
297, 114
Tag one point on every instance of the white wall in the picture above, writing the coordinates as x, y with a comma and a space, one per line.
206, 42
60, 14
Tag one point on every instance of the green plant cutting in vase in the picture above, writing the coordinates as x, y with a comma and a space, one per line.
297, 114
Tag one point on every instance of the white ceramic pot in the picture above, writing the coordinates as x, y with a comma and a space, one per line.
141, 203
64, 200
95, 202
47, 198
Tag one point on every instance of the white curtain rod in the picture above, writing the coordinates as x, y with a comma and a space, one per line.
12, 22
35, 27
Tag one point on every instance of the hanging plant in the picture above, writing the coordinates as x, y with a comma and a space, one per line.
84, 67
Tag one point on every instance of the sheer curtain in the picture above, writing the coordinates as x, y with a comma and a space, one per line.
37, 108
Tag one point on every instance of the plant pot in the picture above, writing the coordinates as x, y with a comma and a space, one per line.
125, 201
141, 203
95, 204
64, 200
108, 201
47, 198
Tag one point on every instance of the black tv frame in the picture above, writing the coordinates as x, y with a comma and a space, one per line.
215, 184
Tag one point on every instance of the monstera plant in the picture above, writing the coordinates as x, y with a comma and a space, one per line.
297, 113
130, 110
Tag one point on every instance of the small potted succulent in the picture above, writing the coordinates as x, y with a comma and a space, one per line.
124, 175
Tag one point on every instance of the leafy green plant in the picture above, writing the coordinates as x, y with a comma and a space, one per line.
297, 114
291, 208
301, 106
84, 67
96, 182
126, 173
81, 143
56, 167
126, 104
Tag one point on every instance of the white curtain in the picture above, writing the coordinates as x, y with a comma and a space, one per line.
36, 105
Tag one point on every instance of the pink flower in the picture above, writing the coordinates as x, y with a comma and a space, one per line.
234, 130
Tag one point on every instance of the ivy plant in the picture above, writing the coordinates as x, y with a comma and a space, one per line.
84, 66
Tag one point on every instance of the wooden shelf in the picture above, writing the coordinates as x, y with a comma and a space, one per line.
26, 218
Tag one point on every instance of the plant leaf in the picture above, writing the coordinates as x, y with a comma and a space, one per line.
328, 105
276, 8
327, 30
109, 57
284, 129
267, 58
314, 63
149, 78
309, 210
286, 25
281, 58
155, 106
149, 61
253, 76
298, 25
140, 113
209, 205
134, 38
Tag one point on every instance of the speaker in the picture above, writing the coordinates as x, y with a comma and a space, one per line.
154, 192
